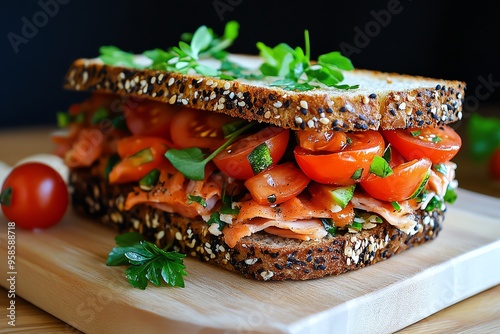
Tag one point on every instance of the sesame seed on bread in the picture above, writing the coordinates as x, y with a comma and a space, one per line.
382, 101
260, 256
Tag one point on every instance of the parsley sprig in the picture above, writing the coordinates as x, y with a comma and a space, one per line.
184, 57
191, 161
295, 66
147, 262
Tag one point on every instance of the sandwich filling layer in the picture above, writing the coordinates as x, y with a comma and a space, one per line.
244, 178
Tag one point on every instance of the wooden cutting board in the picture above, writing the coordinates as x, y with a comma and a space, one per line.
62, 270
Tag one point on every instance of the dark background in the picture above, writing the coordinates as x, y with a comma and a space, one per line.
432, 38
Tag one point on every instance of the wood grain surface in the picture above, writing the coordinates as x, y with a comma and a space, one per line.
478, 313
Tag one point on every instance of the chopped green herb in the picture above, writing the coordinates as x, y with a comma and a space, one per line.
197, 199
112, 161
215, 219
147, 262
142, 157
329, 226
99, 115
63, 119
356, 225
396, 206
451, 195
436, 139
191, 161
380, 167
294, 66
149, 181
441, 168
483, 135
260, 158
415, 133
357, 174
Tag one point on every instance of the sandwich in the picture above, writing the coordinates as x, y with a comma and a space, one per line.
273, 166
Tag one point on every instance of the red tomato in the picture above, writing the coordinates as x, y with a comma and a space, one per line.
402, 184
338, 168
149, 118
396, 158
39, 196
140, 155
277, 184
439, 144
494, 164
331, 141
233, 161
198, 128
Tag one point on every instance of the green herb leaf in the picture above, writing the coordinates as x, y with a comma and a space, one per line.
112, 55
415, 133
380, 167
451, 195
215, 219
293, 64
357, 174
197, 199
260, 158
191, 161
149, 181
441, 168
147, 262
329, 226
396, 206
99, 115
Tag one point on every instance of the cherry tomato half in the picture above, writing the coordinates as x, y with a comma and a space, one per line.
331, 141
494, 164
149, 118
139, 155
339, 167
439, 144
198, 128
233, 161
404, 183
39, 196
277, 184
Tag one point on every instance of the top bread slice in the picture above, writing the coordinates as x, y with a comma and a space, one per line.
383, 100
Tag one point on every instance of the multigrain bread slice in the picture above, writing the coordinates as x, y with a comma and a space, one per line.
382, 101
261, 256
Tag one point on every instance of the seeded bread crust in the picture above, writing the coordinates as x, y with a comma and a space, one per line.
383, 101
261, 256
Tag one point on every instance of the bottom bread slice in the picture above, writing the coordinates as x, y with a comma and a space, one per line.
260, 256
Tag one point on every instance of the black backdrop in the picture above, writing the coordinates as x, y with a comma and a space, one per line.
40, 38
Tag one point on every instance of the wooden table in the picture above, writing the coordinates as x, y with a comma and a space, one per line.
477, 314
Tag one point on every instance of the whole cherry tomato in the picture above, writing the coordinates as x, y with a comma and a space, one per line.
34, 195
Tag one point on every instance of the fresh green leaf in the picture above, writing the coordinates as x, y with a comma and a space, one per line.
380, 167
112, 55
396, 206
63, 119
147, 262
149, 181
441, 168
129, 239
451, 195
99, 115
329, 226
191, 161
357, 174
197, 199
260, 158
